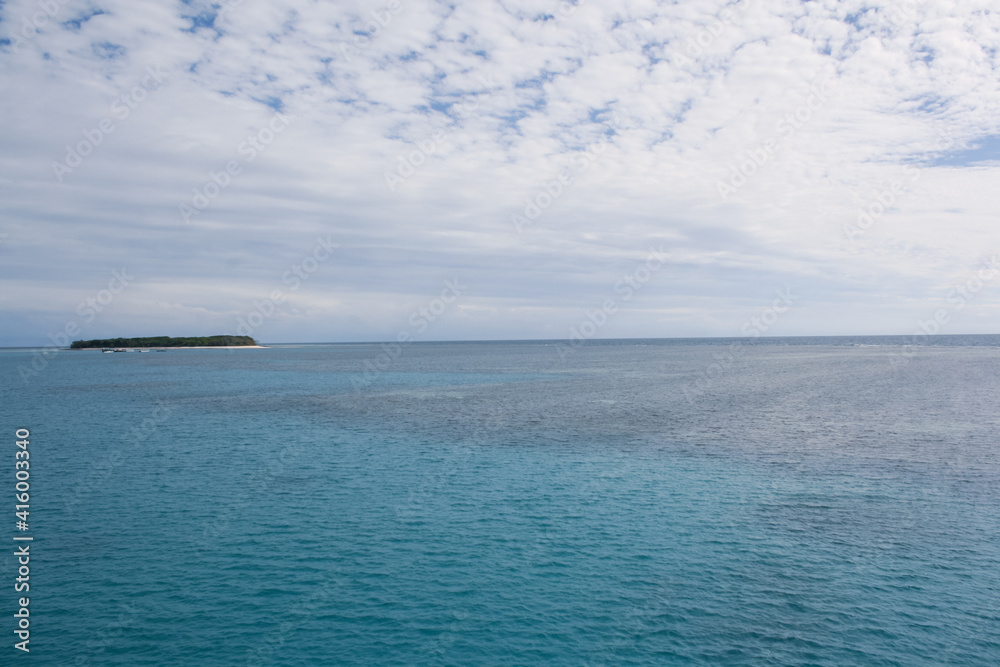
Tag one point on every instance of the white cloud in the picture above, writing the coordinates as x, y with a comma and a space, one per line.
681, 94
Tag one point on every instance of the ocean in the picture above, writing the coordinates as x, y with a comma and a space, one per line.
785, 501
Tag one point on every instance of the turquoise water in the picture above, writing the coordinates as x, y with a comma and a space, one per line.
805, 502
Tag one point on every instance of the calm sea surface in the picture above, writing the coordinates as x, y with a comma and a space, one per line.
712, 502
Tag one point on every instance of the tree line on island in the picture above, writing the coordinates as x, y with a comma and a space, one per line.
164, 341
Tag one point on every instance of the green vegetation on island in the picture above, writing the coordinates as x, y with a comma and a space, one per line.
164, 341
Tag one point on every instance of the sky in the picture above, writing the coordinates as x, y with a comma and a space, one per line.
367, 171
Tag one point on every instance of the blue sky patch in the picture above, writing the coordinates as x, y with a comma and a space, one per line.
271, 101
74, 24
202, 20
108, 50
986, 150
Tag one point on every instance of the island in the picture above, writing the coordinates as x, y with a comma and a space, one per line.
164, 341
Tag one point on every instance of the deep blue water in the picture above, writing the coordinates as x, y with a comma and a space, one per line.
787, 502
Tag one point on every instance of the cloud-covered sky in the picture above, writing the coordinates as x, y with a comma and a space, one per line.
354, 156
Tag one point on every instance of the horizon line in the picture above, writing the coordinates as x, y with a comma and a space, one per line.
554, 340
